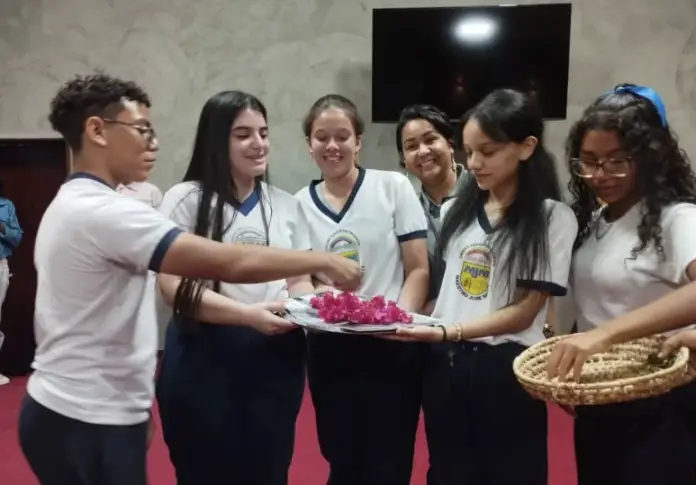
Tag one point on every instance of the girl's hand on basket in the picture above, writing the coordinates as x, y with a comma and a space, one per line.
572, 352
686, 339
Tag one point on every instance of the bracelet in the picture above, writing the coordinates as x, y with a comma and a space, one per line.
445, 337
458, 326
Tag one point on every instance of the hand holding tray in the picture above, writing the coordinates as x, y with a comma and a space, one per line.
299, 311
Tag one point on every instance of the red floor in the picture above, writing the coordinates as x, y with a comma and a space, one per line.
308, 467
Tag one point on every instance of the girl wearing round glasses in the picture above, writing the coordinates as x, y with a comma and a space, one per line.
630, 255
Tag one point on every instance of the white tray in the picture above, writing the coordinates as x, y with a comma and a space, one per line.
299, 311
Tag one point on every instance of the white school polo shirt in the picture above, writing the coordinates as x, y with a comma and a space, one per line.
267, 215
472, 288
96, 344
608, 281
143, 191
381, 212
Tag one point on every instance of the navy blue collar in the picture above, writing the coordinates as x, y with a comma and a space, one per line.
89, 176
251, 202
337, 218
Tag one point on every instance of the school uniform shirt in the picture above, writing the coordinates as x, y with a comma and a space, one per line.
608, 280
433, 213
143, 191
473, 288
96, 343
287, 229
381, 212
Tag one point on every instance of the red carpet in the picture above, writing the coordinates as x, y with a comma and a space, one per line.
308, 467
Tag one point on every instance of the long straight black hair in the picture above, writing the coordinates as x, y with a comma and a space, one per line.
210, 168
509, 116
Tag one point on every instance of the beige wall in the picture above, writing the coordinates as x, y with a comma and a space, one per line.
289, 52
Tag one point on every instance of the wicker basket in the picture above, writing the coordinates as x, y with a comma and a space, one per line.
624, 373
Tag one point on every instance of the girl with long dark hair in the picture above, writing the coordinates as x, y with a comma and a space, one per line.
232, 376
506, 241
633, 275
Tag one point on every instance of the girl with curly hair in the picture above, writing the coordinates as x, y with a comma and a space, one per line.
630, 256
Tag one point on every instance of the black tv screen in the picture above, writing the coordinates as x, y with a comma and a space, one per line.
452, 57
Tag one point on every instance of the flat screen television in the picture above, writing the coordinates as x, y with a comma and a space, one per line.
451, 57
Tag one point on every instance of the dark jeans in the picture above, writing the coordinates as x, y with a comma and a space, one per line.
366, 394
63, 451
644, 442
482, 427
229, 398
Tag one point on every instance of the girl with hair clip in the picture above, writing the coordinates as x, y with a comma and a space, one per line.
366, 391
506, 240
425, 142
232, 377
631, 255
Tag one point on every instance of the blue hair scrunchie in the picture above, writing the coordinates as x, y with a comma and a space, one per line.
647, 93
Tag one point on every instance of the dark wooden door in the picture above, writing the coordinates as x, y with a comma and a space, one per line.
32, 171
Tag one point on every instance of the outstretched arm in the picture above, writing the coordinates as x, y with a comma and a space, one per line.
196, 257
673, 311
130, 233
218, 309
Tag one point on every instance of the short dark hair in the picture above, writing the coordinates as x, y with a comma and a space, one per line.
81, 97
435, 116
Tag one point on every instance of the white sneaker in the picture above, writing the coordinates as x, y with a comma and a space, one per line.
4, 380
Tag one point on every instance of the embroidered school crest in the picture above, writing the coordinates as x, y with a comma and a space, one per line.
249, 235
344, 243
473, 278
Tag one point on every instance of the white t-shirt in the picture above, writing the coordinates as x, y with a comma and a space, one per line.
96, 344
287, 229
472, 288
381, 212
143, 191
608, 282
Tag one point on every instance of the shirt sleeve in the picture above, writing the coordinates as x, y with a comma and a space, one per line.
553, 278
679, 240
300, 232
409, 217
180, 204
130, 233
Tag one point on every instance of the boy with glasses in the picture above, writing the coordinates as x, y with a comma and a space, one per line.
85, 418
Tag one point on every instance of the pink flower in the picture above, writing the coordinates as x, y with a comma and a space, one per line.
348, 307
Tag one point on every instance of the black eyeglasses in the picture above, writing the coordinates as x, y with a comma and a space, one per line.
146, 131
612, 167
